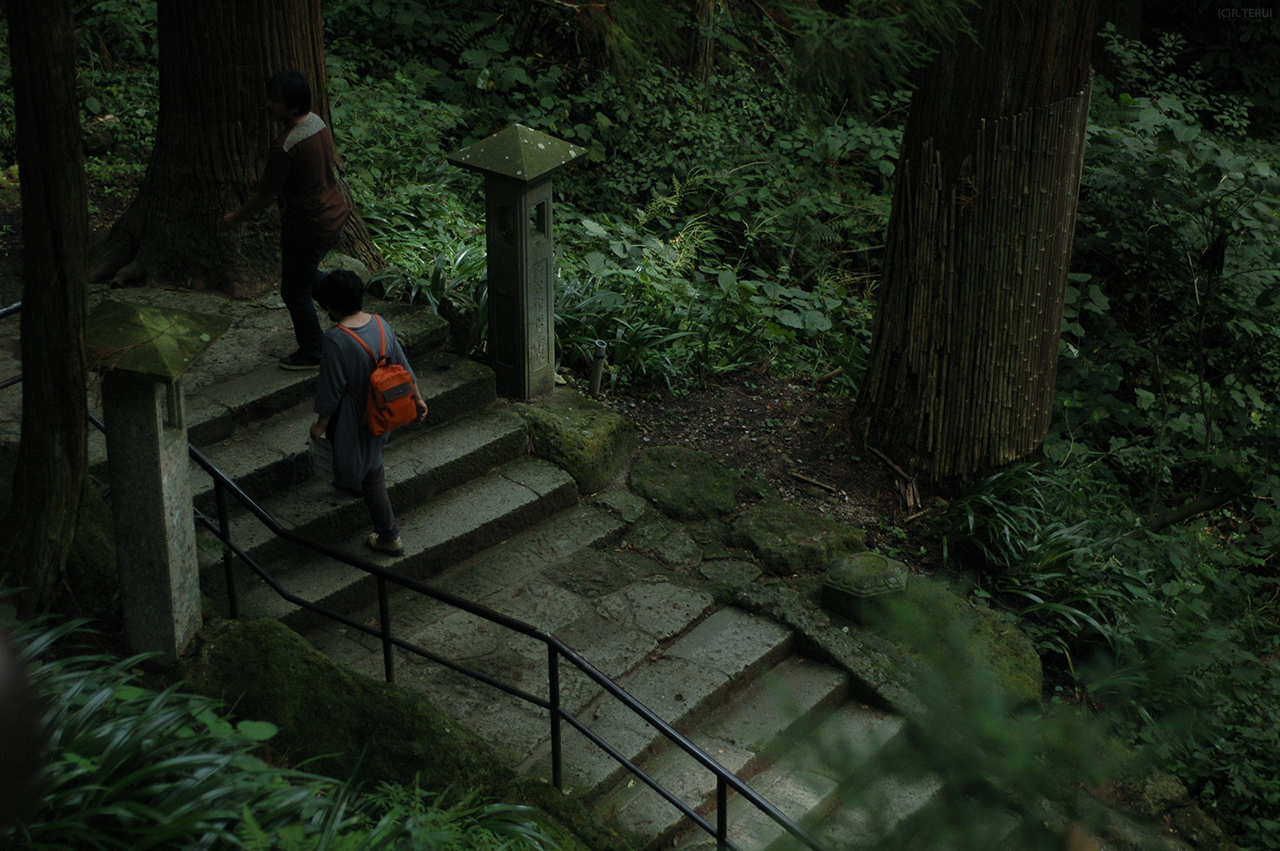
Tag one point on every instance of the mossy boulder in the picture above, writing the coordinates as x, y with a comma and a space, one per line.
584, 438
789, 539
350, 725
684, 484
925, 615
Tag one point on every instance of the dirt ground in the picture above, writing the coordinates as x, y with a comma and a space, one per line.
799, 439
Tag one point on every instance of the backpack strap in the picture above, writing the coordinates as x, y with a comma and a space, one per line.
378, 359
382, 345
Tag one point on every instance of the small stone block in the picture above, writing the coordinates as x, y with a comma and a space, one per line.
852, 579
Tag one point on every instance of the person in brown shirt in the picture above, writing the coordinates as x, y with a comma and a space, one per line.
300, 172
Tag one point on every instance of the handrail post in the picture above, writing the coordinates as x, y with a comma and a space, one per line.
553, 687
722, 813
384, 616
228, 563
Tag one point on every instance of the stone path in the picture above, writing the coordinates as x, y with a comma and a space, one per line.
486, 522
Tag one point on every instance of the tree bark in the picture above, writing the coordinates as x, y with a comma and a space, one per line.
963, 362
212, 138
700, 61
52, 465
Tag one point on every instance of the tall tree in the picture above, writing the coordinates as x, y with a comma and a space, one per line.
212, 137
964, 353
35, 534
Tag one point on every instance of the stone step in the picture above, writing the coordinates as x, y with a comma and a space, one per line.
267, 455
461, 522
682, 684
809, 784
420, 465
222, 396
770, 716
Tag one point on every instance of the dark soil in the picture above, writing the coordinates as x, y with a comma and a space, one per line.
800, 440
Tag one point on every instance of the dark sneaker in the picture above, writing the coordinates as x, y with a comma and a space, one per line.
298, 360
393, 547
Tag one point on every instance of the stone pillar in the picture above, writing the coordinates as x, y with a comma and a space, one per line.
517, 164
142, 353
151, 503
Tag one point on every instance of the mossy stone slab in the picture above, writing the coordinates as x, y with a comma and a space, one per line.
584, 438
684, 484
349, 725
789, 539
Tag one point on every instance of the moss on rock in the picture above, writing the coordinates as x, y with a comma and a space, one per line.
1007, 651
788, 539
349, 724
584, 438
684, 484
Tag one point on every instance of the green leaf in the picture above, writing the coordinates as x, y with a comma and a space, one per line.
816, 321
257, 731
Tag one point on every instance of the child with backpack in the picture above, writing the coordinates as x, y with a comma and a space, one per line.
365, 388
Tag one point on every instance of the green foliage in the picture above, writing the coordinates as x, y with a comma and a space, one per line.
128, 767
889, 41
1172, 637
969, 734
116, 32
782, 190
1171, 370
669, 313
1162, 71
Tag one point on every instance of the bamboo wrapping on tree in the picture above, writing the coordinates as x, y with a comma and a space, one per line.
962, 372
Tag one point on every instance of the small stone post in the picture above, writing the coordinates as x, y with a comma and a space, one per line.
517, 164
142, 353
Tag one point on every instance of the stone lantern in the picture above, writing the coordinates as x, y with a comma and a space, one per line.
142, 353
517, 164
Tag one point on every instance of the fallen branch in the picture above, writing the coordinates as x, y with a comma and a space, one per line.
907, 484
835, 373
892, 466
814, 482
1198, 506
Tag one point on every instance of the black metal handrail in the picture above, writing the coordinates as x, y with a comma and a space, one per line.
556, 650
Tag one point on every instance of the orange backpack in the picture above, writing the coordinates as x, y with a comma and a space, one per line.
390, 401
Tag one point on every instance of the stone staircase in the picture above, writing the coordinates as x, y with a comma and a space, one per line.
485, 521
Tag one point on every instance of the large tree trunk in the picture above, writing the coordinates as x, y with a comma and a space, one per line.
211, 144
35, 535
963, 360
700, 61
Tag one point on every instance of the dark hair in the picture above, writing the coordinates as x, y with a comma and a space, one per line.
292, 89
341, 292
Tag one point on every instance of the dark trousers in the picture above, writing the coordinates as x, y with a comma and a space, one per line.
299, 272
374, 488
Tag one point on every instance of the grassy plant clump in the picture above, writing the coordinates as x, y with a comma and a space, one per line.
1170, 637
127, 767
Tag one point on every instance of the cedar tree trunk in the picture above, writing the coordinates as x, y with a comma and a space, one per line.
960, 378
701, 58
35, 534
211, 144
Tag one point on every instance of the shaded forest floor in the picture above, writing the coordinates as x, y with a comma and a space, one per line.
799, 439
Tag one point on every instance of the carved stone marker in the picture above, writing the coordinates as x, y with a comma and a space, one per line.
852, 579
517, 164
142, 353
